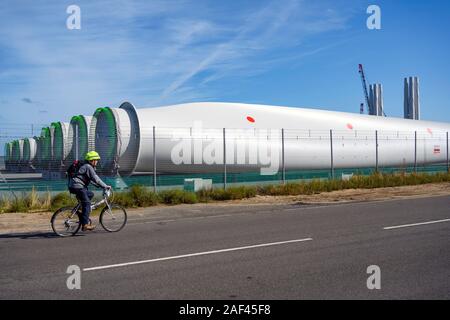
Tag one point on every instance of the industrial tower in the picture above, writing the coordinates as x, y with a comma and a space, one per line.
411, 98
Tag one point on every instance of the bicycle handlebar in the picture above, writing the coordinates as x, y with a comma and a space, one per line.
107, 193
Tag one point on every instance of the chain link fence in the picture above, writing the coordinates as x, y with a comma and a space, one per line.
162, 158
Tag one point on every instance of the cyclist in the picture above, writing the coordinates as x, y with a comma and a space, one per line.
78, 185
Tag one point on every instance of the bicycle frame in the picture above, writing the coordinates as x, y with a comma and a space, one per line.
106, 195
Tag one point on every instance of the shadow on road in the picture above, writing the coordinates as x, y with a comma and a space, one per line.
33, 235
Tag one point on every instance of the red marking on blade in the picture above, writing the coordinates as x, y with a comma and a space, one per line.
349, 125
250, 119
429, 131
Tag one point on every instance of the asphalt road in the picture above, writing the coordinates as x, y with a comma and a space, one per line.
262, 252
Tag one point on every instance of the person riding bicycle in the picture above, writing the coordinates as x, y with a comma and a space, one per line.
78, 185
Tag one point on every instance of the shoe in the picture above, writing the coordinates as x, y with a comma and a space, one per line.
88, 227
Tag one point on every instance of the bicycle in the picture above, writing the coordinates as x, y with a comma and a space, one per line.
66, 220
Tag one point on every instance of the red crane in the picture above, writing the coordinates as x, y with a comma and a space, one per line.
364, 84
366, 92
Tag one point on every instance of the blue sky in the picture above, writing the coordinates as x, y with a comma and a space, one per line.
157, 52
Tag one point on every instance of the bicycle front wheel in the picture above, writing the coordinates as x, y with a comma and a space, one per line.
65, 222
114, 219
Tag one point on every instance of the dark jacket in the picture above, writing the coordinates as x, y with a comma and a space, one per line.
86, 174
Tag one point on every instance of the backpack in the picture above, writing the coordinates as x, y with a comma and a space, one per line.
73, 169
72, 172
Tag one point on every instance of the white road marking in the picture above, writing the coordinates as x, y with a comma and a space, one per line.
416, 224
195, 254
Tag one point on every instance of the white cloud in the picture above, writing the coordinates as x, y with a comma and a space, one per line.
147, 52
277, 24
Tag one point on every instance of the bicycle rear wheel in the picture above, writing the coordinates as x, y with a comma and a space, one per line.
113, 220
65, 223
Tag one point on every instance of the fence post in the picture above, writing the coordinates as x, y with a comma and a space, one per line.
154, 159
331, 155
224, 161
76, 143
448, 164
376, 151
282, 157
415, 151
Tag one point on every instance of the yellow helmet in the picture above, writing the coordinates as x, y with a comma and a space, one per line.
92, 155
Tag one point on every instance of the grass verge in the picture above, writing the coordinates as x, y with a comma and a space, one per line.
140, 196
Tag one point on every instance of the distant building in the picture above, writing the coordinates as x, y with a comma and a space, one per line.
411, 98
376, 100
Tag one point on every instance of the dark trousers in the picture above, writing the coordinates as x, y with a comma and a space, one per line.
84, 196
